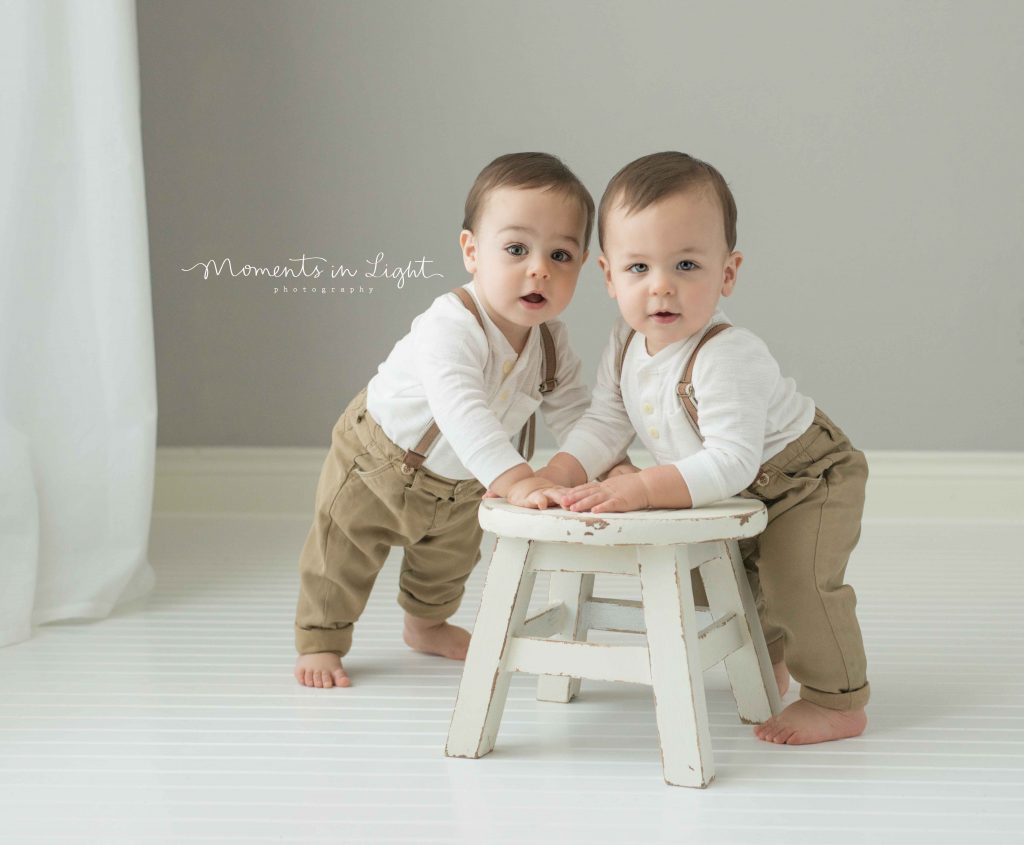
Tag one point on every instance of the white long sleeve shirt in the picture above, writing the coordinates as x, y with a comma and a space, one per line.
475, 386
748, 411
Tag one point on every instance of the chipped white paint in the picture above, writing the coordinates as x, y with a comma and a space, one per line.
547, 622
622, 615
661, 547
676, 671
571, 557
484, 686
598, 662
572, 591
730, 519
750, 672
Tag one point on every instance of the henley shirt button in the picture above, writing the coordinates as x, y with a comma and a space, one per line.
503, 397
506, 368
654, 433
648, 408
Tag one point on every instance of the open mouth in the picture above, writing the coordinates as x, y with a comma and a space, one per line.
533, 300
664, 316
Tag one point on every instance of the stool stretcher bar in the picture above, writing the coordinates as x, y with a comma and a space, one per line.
539, 656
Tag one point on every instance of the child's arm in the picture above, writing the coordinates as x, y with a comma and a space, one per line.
513, 479
451, 354
595, 438
624, 467
654, 487
734, 378
591, 429
549, 483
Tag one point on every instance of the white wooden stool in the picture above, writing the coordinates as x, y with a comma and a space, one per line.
661, 547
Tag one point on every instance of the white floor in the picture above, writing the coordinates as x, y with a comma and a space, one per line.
178, 720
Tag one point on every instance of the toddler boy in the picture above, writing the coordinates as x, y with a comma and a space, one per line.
413, 452
710, 404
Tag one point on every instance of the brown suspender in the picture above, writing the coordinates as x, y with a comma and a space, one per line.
684, 390
414, 458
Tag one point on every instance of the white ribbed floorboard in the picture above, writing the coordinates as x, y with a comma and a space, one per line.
178, 719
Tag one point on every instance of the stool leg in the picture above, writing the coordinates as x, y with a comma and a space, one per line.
574, 590
484, 685
676, 672
749, 667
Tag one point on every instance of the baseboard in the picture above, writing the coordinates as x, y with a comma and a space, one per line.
903, 485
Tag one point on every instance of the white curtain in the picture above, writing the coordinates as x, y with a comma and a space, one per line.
77, 376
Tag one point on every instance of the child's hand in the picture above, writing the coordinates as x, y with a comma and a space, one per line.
534, 492
625, 468
624, 492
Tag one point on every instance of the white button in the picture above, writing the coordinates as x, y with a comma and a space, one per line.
654, 433
648, 408
504, 396
507, 367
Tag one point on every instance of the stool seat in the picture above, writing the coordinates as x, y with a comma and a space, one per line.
730, 519
663, 549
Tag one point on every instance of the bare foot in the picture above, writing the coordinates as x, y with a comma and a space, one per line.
435, 637
322, 669
781, 677
803, 723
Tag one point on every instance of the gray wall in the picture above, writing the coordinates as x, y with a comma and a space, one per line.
873, 148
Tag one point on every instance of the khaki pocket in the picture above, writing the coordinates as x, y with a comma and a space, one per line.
368, 466
780, 484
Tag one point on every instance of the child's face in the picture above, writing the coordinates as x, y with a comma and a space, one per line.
668, 265
525, 257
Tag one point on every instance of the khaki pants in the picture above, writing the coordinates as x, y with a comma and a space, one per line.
814, 491
364, 506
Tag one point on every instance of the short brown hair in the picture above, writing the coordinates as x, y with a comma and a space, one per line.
647, 180
528, 170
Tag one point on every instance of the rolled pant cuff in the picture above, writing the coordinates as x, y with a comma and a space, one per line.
313, 640
776, 651
415, 607
854, 700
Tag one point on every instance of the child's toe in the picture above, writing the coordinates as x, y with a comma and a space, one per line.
784, 735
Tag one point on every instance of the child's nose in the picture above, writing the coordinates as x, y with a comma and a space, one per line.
660, 284
539, 269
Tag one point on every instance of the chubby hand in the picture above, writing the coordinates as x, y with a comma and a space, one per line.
535, 492
622, 492
625, 468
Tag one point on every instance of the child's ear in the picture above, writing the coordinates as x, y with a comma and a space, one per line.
606, 268
467, 243
732, 269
